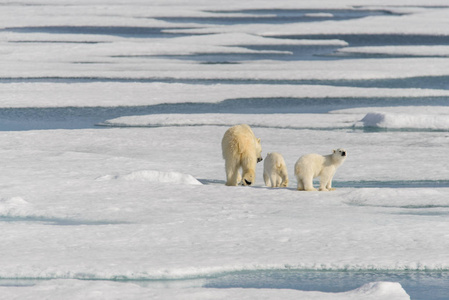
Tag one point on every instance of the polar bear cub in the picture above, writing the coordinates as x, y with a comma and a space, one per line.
310, 166
241, 149
275, 171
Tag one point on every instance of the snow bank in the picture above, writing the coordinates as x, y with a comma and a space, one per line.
14, 207
405, 121
154, 176
380, 290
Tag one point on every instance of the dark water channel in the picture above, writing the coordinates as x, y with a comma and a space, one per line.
12, 119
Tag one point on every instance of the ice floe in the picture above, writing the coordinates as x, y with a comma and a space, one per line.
63, 219
258, 120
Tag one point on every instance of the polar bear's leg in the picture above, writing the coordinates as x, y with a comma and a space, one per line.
300, 185
277, 180
239, 176
326, 181
300, 182
329, 185
248, 176
308, 184
284, 182
266, 179
232, 172
274, 180
248, 164
283, 177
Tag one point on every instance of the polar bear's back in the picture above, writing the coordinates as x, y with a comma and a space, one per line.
237, 140
274, 159
310, 164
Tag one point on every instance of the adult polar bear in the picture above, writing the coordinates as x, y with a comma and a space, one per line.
241, 149
314, 165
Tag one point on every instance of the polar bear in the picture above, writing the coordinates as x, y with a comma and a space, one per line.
241, 149
275, 171
310, 166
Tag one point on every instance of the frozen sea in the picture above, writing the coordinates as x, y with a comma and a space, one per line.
111, 119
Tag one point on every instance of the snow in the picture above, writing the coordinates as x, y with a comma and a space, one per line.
154, 176
160, 231
137, 208
14, 207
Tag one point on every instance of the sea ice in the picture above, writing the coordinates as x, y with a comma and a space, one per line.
94, 204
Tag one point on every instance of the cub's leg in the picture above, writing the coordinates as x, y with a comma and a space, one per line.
266, 179
308, 184
326, 182
300, 184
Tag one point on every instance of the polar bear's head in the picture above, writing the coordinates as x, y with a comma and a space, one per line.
339, 155
258, 150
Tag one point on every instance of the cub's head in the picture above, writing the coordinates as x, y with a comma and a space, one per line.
258, 150
339, 155
248, 178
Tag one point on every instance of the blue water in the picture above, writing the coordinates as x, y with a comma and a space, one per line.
12, 119
418, 284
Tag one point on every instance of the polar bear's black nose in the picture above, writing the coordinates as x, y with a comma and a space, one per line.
259, 159
248, 182
343, 153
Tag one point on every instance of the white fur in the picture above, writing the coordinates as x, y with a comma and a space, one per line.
310, 166
275, 171
241, 149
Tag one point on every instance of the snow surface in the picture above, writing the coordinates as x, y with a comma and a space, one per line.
82, 228
154, 176
89, 213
